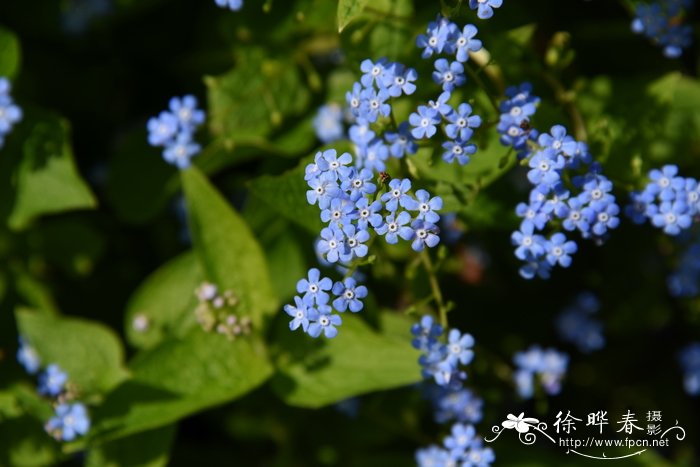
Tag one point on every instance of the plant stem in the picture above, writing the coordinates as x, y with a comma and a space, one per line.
435, 287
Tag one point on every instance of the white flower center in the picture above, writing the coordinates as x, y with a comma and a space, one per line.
349, 294
664, 182
527, 241
421, 233
448, 76
603, 217
313, 288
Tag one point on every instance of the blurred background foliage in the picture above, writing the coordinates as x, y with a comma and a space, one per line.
94, 231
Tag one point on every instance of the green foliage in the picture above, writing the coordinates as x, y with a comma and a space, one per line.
228, 252
348, 10
10, 54
46, 179
166, 300
146, 449
281, 193
90, 353
255, 96
179, 377
360, 360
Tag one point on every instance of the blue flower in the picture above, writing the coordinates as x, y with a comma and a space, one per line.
28, 357
665, 183
331, 244
533, 213
427, 206
314, 287
527, 242
373, 104
559, 250
439, 32
358, 184
181, 151
185, 110
462, 122
448, 75
395, 226
545, 165
425, 235
484, 7
354, 243
324, 322
400, 80
401, 142
323, 189
672, 217
434, 456
604, 217
10, 114
398, 195
549, 365
461, 405
233, 5
368, 213
349, 295
441, 106
559, 141
52, 381
466, 42
299, 313
461, 437
354, 100
373, 72
328, 123
424, 122
70, 421
162, 129
338, 211
459, 149
425, 333
373, 156
459, 347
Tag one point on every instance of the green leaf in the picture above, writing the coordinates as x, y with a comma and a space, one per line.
178, 378
89, 352
255, 96
166, 300
286, 195
348, 10
147, 449
359, 360
47, 180
230, 255
23, 443
10, 54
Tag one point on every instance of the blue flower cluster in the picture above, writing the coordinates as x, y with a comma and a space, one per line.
312, 312
461, 447
461, 405
690, 361
662, 22
484, 8
684, 282
233, 5
514, 121
458, 124
669, 201
441, 361
576, 325
549, 366
10, 113
586, 205
174, 130
70, 419
345, 195
369, 102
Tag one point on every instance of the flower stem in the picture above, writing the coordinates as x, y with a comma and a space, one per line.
435, 287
